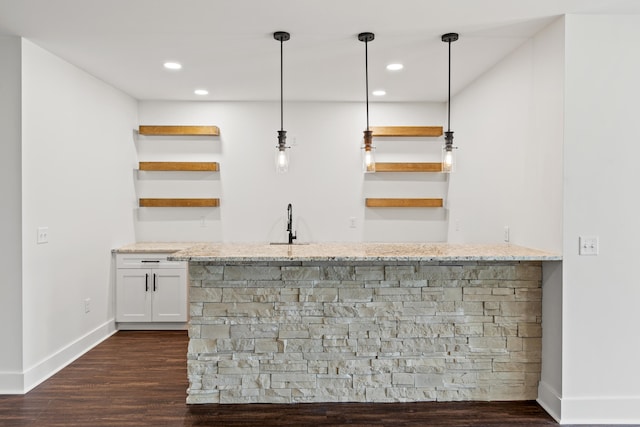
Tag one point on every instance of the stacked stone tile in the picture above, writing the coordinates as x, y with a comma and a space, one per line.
285, 332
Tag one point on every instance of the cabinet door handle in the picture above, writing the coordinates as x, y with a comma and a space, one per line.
146, 282
151, 260
154, 282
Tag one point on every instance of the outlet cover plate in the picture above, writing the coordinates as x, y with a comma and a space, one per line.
589, 245
43, 235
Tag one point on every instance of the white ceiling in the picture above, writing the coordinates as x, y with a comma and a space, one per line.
227, 46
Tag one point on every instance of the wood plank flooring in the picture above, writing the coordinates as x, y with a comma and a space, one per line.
138, 378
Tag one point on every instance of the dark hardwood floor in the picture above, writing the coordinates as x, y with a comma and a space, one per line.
139, 379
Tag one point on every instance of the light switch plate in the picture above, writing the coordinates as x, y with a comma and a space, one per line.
589, 245
43, 235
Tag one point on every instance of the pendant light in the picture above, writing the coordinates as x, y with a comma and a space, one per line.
368, 158
448, 159
282, 155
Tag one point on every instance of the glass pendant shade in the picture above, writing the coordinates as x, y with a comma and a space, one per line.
368, 153
448, 160
448, 157
368, 160
282, 161
282, 154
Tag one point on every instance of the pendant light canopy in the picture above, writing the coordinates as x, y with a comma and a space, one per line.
448, 159
282, 155
368, 158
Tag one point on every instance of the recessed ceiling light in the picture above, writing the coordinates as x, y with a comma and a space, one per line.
172, 65
395, 67
379, 92
201, 92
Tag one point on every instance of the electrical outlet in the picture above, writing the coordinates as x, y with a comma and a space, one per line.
43, 235
87, 305
352, 222
589, 245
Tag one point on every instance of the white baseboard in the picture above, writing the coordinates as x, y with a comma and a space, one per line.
152, 326
21, 383
11, 383
550, 400
601, 410
592, 410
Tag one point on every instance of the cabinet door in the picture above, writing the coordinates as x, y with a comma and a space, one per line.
133, 295
169, 287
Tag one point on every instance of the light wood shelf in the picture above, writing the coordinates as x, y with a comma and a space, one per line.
404, 203
406, 131
408, 167
179, 203
180, 166
179, 130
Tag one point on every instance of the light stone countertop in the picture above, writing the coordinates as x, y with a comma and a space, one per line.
242, 252
155, 247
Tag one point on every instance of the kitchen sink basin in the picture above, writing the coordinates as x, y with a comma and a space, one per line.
285, 243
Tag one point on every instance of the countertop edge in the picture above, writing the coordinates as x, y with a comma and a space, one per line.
362, 259
362, 252
155, 247
209, 252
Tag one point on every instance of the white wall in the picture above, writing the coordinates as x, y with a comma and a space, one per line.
10, 213
324, 184
601, 293
538, 221
550, 386
77, 156
508, 127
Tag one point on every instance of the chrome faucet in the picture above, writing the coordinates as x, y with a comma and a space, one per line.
292, 235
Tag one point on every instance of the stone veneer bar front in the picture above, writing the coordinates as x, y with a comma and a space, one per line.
363, 322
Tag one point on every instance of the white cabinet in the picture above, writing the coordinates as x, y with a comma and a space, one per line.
149, 288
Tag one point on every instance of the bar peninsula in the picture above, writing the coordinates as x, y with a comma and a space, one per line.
363, 322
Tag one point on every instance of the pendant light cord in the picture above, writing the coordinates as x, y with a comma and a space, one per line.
449, 93
366, 72
281, 87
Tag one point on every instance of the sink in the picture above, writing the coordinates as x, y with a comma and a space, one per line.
285, 243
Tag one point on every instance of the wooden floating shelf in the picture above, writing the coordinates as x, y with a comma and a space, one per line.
179, 203
404, 203
180, 166
408, 167
179, 130
406, 130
